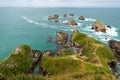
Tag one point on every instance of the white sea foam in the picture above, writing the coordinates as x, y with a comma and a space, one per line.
64, 21
42, 24
90, 19
110, 34
30, 20
79, 24
112, 31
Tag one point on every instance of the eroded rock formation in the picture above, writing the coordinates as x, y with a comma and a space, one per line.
71, 22
98, 25
81, 18
61, 37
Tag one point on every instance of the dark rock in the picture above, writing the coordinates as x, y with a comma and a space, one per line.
81, 18
43, 71
56, 20
115, 45
36, 55
71, 22
112, 65
61, 37
99, 26
56, 17
109, 26
50, 18
65, 15
71, 14
49, 39
66, 46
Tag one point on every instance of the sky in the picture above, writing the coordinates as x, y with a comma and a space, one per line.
59, 3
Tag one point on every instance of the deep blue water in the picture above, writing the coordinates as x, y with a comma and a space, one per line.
30, 26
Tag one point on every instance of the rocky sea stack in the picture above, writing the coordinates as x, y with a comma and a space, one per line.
71, 22
61, 37
54, 18
98, 25
65, 15
81, 18
71, 14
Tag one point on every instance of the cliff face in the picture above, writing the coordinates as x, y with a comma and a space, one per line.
21, 60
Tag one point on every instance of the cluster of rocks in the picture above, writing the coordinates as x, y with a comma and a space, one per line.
54, 17
98, 25
70, 21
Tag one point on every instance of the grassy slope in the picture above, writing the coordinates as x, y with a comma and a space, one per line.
91, 65
17, 62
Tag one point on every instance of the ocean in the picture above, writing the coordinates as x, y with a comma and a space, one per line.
31, 26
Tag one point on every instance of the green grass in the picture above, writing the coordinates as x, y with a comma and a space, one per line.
82, 39
18, 62
66, 66
105, 54
65, 52
59, 65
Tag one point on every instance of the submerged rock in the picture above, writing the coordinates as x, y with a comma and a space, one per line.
71, 22
109, 26
61, 37
115, 45
81, 18
98, 25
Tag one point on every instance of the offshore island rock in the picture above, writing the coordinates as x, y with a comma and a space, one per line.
81, 18
65, 15
71, 22
98, 25
61, 37
71, 14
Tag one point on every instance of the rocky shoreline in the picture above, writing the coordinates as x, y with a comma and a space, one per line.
87, 49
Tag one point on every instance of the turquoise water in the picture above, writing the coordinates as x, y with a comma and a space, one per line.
30, 26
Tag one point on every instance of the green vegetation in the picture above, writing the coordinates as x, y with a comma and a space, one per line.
82, 39
65, 52
18, 62
90, 65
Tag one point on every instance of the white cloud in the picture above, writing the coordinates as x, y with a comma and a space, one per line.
60, 3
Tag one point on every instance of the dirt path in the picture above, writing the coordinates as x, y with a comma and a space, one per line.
74, 57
